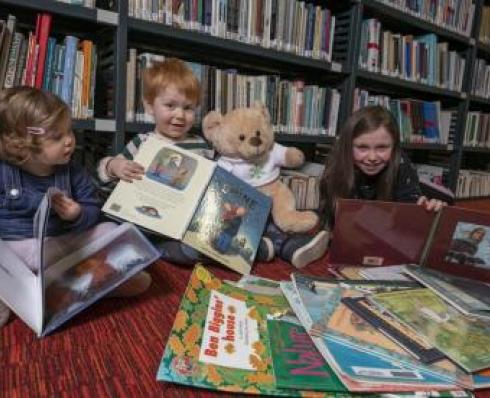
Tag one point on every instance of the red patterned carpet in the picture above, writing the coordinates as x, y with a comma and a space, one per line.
113, 349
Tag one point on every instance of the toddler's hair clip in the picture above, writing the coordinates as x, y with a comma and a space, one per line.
36, 130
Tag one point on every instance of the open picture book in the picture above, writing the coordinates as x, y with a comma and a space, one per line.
47, 294
187, 197
447, 251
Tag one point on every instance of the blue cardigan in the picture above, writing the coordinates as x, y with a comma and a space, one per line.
21, 194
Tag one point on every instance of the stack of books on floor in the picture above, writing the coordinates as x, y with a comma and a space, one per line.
319, 336
416, 330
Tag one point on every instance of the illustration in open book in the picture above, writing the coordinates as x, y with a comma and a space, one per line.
46, 294
187, 197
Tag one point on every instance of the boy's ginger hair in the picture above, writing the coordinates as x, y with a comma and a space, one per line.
171, 71
23, 107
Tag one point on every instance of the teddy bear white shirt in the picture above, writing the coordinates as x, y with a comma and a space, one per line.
256, 174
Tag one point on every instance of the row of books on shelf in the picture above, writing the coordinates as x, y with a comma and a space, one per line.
477, 130
455, 15
85, 3
299, 27
419, 59
473, 183
67, 68
294, 106
484, 33
419, 121
480, 83
305, 184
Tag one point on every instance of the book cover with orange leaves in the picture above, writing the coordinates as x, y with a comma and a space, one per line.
220, 339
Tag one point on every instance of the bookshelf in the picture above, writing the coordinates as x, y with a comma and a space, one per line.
115, 32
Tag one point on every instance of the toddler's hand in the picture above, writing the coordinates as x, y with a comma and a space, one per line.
66, 208
431, 204
125, 169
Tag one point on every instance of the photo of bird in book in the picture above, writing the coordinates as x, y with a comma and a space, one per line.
82, 283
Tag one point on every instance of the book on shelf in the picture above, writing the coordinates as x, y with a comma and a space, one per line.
221, 339
47, 294
453, 241
187, 197
305, 184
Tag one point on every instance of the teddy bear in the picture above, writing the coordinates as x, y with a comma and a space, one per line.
244, 139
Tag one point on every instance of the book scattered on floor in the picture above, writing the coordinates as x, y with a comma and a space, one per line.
187, 197
454, 242
300, 340
221, 340
58, 289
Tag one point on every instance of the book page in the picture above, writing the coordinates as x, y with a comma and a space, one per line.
85, 275
165, 199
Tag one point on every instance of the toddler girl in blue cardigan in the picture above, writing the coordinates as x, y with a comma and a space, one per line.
36, 146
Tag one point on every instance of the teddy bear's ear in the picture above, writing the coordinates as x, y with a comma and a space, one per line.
263, 110
211, 123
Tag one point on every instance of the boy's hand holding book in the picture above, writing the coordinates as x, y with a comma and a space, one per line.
124, 169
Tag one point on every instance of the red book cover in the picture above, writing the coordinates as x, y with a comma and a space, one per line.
43, 28
379, 233
461, 244
454, 241
31, 49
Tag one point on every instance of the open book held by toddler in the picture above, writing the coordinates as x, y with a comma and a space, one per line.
46, 294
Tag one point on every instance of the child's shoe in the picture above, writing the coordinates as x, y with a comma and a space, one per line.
265, 251
176, 252
4, 314
301, 250
134, 286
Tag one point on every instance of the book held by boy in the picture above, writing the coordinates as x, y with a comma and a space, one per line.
187, 197
47, 294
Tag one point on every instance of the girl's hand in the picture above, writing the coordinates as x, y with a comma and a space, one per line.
125, 169
66, 208
431, 204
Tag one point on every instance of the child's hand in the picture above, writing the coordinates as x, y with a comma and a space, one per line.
125, 169
66, 208
431, 204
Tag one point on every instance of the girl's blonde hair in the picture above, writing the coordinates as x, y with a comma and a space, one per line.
171, 71
23, 107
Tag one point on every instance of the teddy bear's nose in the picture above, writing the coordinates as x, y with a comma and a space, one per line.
255, 141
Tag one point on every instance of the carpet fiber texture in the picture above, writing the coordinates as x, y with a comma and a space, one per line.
113, 348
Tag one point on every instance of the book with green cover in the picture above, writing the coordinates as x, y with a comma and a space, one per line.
220, 339
297, 362
466, 340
